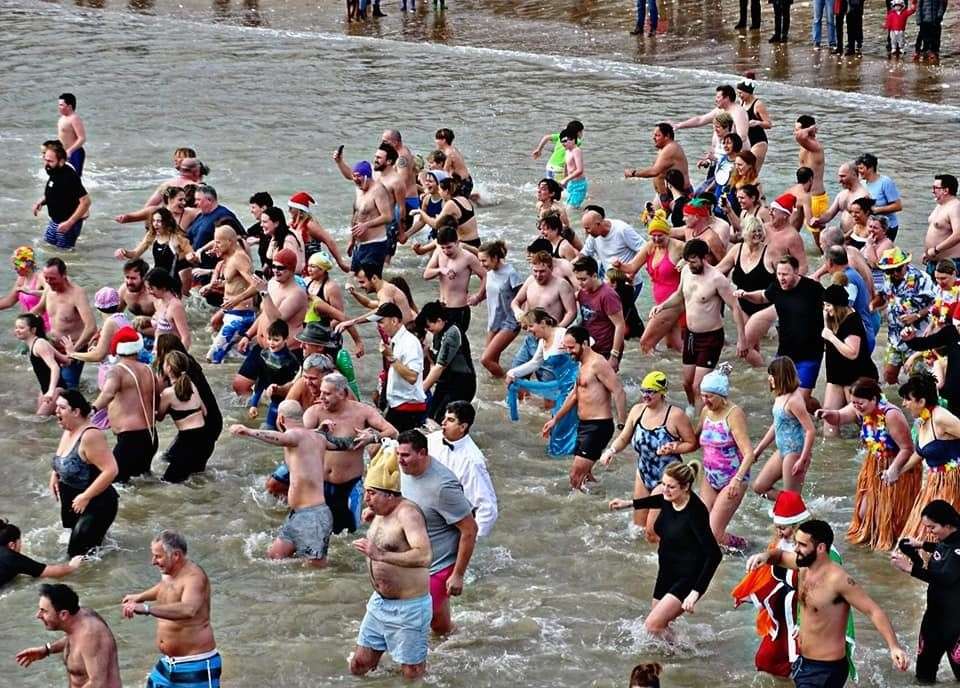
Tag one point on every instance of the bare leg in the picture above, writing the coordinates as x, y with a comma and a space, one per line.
891, 374
722, 512
442, 621
663, 612
689, 378
760, 152
699, 374
496, 343
281, 549
792, 482
833, 398
639, 491
364, 659
813, 404
771, 472
659, 326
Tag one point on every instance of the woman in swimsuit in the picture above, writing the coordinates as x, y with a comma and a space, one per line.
759, 119
938, 446
279, 236
551, 228
312, 235
460, 209
82, 476
661, 255
659, 432
751, 268
168, 243
43, 358
431, 204
189, 451
549, 193
502, 284
177, 200
169, 316
792, 430
751, 204
29, 284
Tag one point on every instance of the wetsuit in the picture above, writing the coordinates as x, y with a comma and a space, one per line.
758, 279
74, 476
688, 554
940, 627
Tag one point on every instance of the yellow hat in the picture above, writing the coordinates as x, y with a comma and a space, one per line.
383, 473
655, 381
659, 223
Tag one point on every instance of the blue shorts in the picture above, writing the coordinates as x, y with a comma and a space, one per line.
576, 192
70, 375
235, 324
62, 239
807, 373
76, 160
372, 253
398, 626
197, 671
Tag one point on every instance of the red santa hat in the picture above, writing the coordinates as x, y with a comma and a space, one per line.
301, 201
785, 203
789, 509
126, 342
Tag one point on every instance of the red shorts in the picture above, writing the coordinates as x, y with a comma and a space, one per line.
702, 349
438, 588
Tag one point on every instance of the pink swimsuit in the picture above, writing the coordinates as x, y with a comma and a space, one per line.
665, 277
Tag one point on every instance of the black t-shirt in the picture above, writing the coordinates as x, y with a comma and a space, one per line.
63, 193
12, 564
800, 312
840, 369
676, 214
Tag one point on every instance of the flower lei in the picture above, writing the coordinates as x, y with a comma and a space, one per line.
907, 289
941, 307
873, 434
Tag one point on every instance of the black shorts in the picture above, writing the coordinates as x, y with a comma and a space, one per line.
134, 453
345, 502
459, 316
476, 243
702, 349
814, 673
593, 437
669, 584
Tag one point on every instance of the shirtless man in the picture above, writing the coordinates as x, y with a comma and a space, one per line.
190, 172
851, 188
703, 290
598, 388
698, 223
236, 314
454, 165
88, 646
348, 427
826, 592
802, 212
542, 289
670, 156
373, 210
399, 553
454, 266
306, 531
370, 279
70, 316
182, 609
724, 101
811, 155
71, 131
782, 237
943, 229
130, 396
283, 299
133, 293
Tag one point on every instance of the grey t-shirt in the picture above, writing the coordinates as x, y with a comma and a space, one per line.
502, 285
440, 497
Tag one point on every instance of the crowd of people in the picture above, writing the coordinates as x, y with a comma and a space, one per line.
398, 462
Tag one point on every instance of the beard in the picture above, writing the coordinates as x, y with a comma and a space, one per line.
49, 168
805, 560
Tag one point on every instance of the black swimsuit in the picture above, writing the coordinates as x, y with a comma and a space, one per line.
466, 214
40, 369
755, 134
757, 279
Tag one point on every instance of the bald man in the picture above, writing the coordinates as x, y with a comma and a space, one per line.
235, 272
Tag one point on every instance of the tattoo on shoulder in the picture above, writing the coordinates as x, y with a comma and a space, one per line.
402, 162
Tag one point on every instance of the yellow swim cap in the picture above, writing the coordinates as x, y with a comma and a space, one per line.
655, 381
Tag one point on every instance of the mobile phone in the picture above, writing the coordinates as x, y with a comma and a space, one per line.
340, 151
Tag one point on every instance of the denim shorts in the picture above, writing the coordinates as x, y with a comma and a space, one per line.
397, 626
309, 531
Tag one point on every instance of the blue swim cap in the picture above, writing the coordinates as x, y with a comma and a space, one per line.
363, 169
718, 381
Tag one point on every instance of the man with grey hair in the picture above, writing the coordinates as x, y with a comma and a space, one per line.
306, 532
200, 231
851, 189
348, 427
181, 605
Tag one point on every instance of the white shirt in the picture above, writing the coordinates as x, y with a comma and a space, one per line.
467, 462
621, 243
408, 351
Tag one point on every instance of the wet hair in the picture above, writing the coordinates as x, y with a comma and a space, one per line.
444, 134
171, 541
57, 148
159, 278
414, 438
541, 258
61, 596
946, 266
787, 259
867, 388
69, 99
58, 264
497, 249
695, 248
819, 531
868, 160
784, 374
391, 152
646, 675
401, 284
278, 328
35, 323
596, 209
728, 92
586, 264
921, 386
556, 191
736, 143
463, 411
575, 126
371, 270
262, 199
76, 401
8, 533
806, 121
179, 364
674, 178
447, 235
948, 182
941, 512
804, 174
837, 255
666, 129
751, 190
433, 311
683, 473
540, 316
865, 204
579, 334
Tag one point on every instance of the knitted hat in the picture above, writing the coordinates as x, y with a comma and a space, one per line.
287, 258
105, 298
893, 258
363, 169
789, 509
126, 342
383, 473
717, 381
654, 381
301, 201
785, 203
659, 224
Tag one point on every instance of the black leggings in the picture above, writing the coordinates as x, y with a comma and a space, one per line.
855, 27
89, 528
754, 13
134, 453
460, 387
935, 641
781, 19
189, 453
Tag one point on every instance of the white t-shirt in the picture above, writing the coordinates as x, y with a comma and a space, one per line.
622, 243
408, 351
467, 462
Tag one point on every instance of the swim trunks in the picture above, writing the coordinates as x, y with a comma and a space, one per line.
308, 530
76, 160
438, 588
807, 373
70, 375
134, 453
370, 253
399, 627
475, 242
67, 239
593, 437
345, 501
195, 671
702, 349
814, 673
576, 192
235, 324
460, 317
818, 206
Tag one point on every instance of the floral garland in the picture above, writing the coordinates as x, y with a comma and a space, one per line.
873, 433
942, 307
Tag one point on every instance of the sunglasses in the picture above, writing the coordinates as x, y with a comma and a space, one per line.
278, 268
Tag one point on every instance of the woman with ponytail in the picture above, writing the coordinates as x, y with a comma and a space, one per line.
190, 450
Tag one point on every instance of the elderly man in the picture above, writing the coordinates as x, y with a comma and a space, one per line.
236, 314
609, 240
908, 294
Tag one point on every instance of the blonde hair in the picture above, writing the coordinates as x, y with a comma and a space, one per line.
540, 316
683, 473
